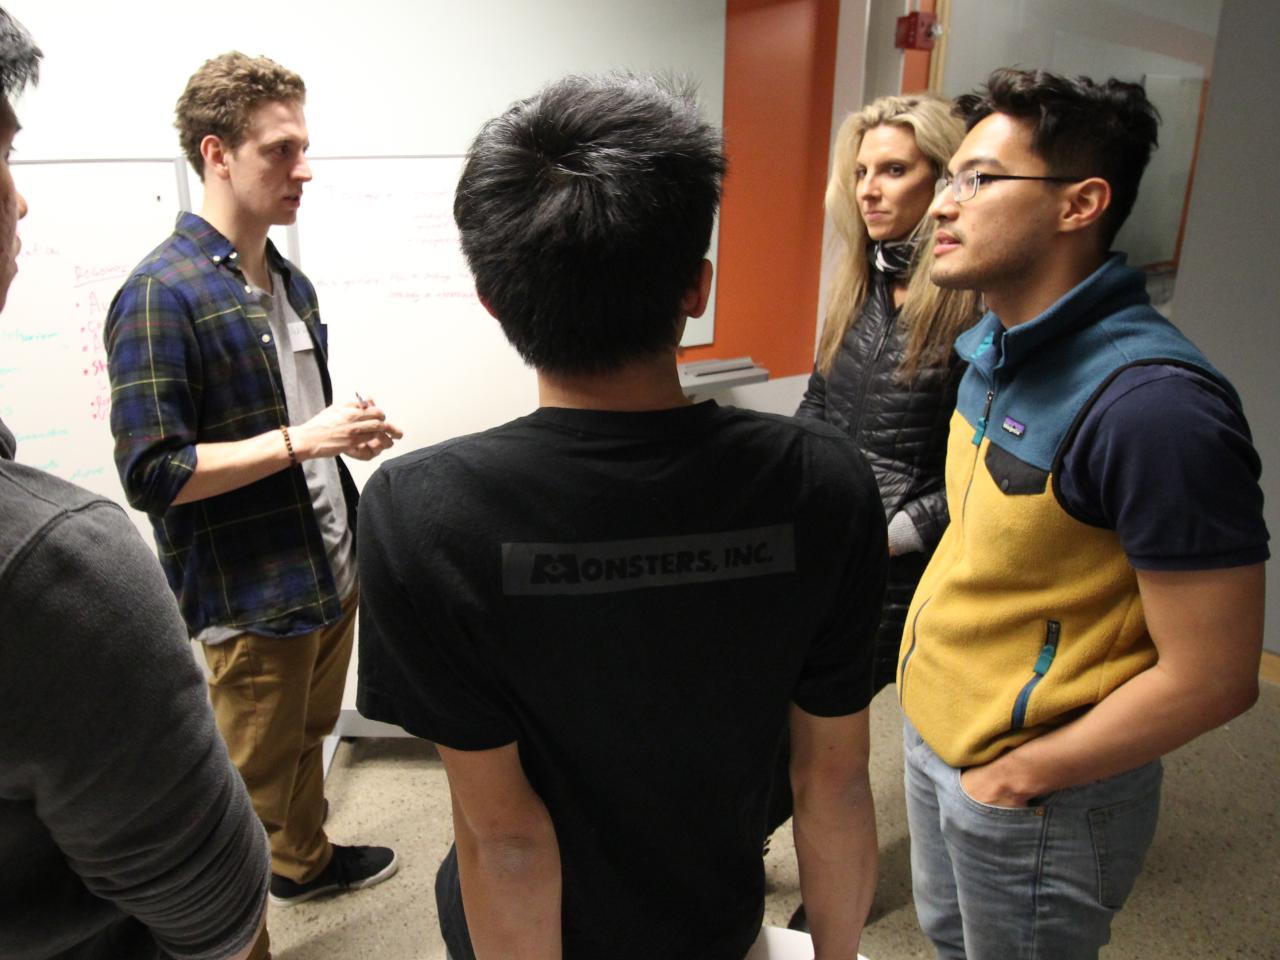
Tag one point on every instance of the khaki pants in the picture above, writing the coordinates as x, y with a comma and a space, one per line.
275, 700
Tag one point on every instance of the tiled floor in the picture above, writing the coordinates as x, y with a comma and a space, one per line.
1211, 888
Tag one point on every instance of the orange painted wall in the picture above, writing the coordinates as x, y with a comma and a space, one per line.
779, 69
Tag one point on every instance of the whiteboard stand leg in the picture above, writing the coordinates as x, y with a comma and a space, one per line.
329, 748
351, 724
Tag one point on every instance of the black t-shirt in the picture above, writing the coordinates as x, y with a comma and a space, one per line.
635, 598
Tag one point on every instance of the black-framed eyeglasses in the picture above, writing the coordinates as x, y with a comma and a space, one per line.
964, 185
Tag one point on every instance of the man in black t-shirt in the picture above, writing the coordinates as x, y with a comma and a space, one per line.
605, 613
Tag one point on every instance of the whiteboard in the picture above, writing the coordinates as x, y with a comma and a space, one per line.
377, 238
89, 224
402, 77
391, 78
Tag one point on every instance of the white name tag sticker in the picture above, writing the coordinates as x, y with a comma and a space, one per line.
299, 338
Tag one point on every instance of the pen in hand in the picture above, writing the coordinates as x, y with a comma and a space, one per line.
391, 434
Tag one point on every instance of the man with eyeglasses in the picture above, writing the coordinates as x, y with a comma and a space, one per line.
1097, 600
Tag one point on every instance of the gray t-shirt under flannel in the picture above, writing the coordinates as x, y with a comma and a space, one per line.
304, 398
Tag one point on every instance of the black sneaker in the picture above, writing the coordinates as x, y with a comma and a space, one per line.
352, 868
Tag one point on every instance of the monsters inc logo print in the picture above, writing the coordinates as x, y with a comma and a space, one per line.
555, 568
611, 566
571, 568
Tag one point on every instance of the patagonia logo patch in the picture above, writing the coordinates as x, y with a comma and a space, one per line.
1013, 426
544, 569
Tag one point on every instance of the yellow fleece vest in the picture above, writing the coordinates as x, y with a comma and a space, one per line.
989, 605
1026, 617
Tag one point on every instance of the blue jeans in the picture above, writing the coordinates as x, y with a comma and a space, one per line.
1040, 882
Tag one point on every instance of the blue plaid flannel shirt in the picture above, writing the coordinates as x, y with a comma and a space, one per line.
190, 358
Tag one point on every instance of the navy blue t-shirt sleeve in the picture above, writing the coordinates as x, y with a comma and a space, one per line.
837, 677
1165, 458
418, 668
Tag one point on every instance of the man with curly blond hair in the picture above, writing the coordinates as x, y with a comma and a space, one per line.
228, 437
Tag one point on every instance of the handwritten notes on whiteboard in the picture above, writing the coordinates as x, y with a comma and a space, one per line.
377, 238
88, 224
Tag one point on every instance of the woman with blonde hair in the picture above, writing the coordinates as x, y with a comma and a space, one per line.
886, 372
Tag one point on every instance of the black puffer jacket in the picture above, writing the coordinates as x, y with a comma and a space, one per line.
902, 430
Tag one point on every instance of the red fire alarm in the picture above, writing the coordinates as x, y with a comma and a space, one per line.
915, 31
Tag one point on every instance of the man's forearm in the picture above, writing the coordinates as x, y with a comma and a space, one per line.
511, 893
836, 851
223, 467
1207, 629
1154, 713
357, 430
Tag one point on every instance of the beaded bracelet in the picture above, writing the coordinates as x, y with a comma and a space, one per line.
288, 445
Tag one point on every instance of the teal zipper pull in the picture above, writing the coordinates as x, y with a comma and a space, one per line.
982, 421
1050, 648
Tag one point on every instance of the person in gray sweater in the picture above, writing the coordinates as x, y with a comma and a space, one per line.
125, 832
